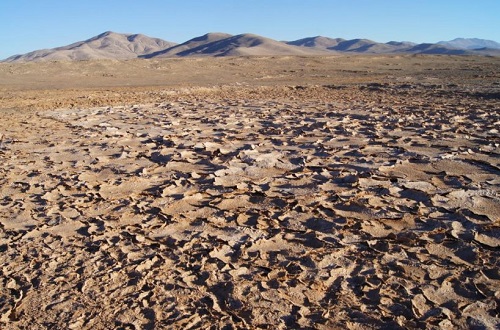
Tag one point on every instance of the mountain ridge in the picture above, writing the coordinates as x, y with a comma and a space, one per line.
188, 45
471, 43
119, 46
107, 45
247, 44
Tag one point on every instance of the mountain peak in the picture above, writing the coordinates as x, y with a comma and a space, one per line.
107, 34
212, 36
471, 43
107, 45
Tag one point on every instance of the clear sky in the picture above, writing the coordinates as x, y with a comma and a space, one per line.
27, 25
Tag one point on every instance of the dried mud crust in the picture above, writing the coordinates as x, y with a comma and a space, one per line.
326, 206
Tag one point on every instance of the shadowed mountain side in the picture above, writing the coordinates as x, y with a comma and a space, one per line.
402, 43
108, 45
437, 49
243, 45
188, 45
366, 46
354, 45
317, 42
487, 51
370, 46
378, 49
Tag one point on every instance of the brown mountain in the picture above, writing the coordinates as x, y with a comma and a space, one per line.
428, 48
108, 45
317, 42
352, 46
189, 45
219, 44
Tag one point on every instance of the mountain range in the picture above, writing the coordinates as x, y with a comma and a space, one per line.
111, 45
471, 43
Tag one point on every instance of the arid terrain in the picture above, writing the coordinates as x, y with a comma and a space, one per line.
119, 46
281, 192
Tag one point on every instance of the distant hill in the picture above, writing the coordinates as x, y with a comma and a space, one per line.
108, 45
437, 49
111, 45
221, 44
317, 42
366, 46
353, 45
188, 46
471, 43
404, 44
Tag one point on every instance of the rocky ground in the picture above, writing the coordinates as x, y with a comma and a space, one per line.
357, 200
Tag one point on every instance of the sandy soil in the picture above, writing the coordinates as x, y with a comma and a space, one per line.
285, 192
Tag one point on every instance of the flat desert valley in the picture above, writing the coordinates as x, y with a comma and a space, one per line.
280, 192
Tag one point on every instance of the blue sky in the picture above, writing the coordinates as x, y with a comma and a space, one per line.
28, 25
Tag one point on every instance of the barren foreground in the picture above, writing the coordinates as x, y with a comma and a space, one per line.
319, 193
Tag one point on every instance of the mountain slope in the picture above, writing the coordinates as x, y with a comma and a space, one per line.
437, 49
471, 43
238, 45
366, 46
108, 45
316, 42
188, 45
354, 45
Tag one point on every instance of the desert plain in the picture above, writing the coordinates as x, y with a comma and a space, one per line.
278, 192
